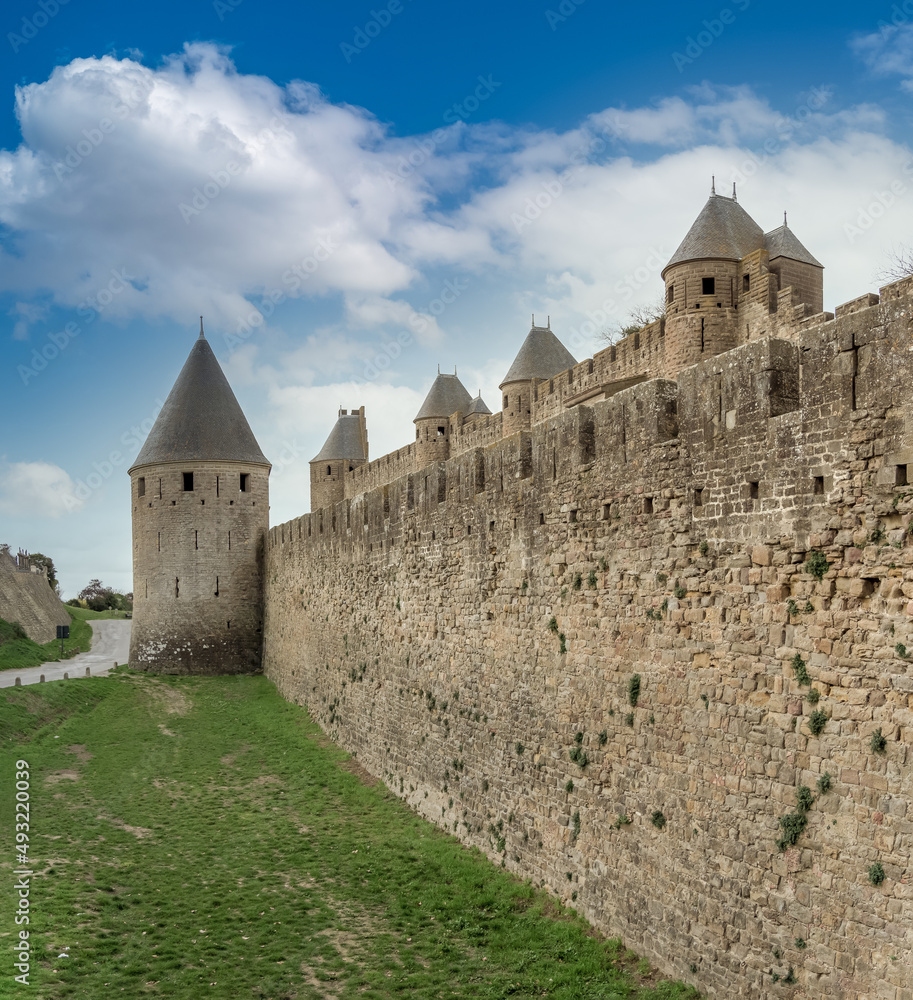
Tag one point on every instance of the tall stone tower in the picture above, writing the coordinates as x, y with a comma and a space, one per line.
446, 396
541, 357
344, 450
200, 498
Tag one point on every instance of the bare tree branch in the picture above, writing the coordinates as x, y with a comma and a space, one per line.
637, 319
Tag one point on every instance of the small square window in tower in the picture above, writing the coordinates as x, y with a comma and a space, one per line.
245, 482
141, 486
708, 286
188, 482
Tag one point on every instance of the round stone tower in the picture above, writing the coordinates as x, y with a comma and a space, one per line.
446, 396
200, 499
541, 357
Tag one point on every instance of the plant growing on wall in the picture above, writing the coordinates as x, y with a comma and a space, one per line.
816, 722
878, 743
634, 690
798, 665
816, 565
657, 819
876, 873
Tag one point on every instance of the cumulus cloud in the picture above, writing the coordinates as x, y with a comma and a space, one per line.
29, 489
192, 188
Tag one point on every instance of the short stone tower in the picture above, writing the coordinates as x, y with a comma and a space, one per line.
345, 450
200, 498
432, 422
723, 283
541, 357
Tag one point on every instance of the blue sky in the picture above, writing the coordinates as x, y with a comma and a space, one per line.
354, 193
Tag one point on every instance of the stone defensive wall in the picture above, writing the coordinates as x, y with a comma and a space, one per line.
26, 597
655, 655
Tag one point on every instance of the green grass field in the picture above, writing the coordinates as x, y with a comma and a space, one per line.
17, 654
202, 838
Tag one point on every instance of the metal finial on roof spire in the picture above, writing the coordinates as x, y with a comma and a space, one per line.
439, 369
454, 370
734, 198
784, 216
534, 319
713, 184
549, 323
201, 329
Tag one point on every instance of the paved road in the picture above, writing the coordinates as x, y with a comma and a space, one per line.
110, 645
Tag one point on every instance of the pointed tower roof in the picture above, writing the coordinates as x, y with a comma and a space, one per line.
723, 230
345, 441
477, 406
542, 356
201, 419
446, 396
783, 242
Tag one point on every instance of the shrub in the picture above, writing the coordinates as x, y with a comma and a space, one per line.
816, 722
817, 565
634, 690
680, 592
553, 625
603, 737
901, 650
878, 742
578, 581
824, 783
804, 798
657, 819
622, 819
569, 787
629, 718
703, 548
876, 873
575, 821
792, 825
798, 665
591, 580
813, 696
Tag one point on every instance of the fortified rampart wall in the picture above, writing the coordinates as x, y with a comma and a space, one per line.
476, 633
27, 598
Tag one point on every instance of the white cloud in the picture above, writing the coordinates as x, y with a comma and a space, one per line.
30, 489
888, 52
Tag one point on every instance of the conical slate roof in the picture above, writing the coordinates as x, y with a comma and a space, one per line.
783, 242
345, 441
446, 396
723, 230
478, 406
201, 419
541, 356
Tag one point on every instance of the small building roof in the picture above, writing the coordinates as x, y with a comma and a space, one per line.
478, 406
722, 230
446, 396
201, 419
345, 441
542, 356
783, 242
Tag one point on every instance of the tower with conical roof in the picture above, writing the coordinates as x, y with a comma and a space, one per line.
344, 450
200, 498
446, 396
541, 357
723, 282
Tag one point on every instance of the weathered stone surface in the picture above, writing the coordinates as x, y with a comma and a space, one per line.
456, 627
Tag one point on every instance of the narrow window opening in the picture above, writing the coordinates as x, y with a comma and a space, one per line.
177, 589
515, 524
188, 482
468, 529
329, 470
900, 475
702, 335
491, 525
818, 485
648, 505
440, 432
160, 490
245, 482
433, 535
753, 490
141, 486
636, 341
572, 516
541, 518
708, 286
554, 465
160, 541
196, 539
451, 532
217, 485
228, 623
670, 293
606, 511
217, 587
146, 585
746, 282
351, 467
505, 402
613, 353
699, 497
229, 541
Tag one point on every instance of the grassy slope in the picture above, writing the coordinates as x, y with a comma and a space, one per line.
21, 653
215, 845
